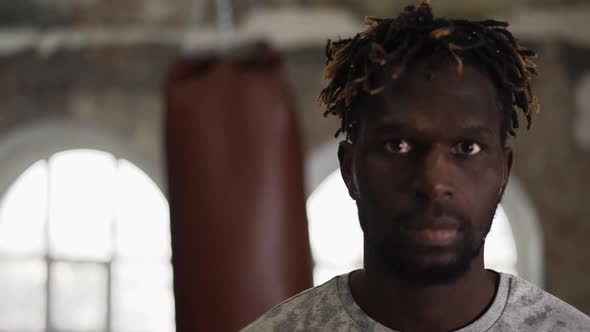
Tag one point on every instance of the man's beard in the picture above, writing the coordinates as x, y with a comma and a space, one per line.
402, 264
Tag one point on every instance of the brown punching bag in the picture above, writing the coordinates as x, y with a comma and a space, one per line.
239, 229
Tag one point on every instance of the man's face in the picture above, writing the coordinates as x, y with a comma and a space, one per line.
427, 171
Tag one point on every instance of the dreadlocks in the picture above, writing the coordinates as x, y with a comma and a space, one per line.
359, 66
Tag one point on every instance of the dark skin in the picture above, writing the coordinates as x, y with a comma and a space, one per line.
427, 170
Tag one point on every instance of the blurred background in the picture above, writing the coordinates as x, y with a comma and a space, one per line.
85, 239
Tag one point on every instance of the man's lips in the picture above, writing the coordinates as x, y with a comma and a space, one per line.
435, 232
433, 236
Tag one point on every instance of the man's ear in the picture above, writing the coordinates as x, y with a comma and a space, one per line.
506, 168
346, 157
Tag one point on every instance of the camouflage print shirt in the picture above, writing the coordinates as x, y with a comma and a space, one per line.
517, 306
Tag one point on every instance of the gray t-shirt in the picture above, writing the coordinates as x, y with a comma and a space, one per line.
517, 306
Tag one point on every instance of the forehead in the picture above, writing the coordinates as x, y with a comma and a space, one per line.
436, 99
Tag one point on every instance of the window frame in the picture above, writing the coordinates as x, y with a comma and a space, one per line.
23, 146
27, 144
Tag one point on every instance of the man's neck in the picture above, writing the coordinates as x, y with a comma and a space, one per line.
438, 308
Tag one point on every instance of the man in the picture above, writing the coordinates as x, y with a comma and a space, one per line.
427, 105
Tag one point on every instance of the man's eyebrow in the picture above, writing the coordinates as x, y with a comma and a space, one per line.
391, 126
477, 129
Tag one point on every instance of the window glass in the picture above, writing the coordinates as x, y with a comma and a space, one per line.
85, 242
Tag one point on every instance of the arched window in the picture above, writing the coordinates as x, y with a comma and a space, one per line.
84, 242
512, 247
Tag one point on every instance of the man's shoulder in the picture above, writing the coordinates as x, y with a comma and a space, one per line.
313, 307
532, 308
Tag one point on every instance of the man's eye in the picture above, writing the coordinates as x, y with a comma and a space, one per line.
468, 148
398, 146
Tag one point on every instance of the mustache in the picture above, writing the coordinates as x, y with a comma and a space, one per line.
435, 215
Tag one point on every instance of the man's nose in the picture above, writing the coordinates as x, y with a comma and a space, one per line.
433, 179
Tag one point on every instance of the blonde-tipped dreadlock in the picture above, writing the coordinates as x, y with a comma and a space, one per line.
360, 65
